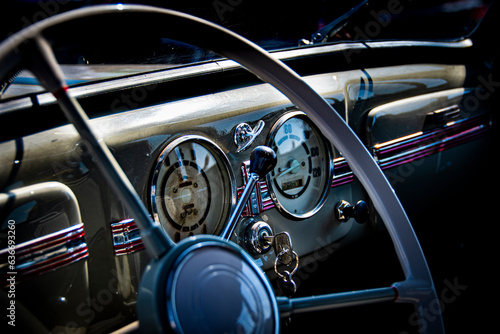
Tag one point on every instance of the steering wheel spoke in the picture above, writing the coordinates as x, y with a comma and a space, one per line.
289, 306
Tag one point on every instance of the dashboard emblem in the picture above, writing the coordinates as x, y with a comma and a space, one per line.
244, 135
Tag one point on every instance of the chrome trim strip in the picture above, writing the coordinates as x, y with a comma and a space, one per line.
45, 254
459, 44
422, 144
417, 145
126, 237
267, 202
342, 174
260, 200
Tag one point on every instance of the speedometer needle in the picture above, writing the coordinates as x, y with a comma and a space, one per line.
294, 164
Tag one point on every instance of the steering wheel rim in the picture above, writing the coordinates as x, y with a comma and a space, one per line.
418, 287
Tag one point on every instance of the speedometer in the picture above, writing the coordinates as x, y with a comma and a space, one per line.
192, 189
301, 179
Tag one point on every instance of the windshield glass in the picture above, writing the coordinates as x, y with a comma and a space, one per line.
273, 25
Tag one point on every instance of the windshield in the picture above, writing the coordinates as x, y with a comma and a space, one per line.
273, 25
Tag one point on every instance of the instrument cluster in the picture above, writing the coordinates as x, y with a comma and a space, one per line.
193, 187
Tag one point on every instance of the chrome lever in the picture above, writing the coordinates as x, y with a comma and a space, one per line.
262, 160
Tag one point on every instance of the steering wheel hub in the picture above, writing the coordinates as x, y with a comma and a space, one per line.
211, 290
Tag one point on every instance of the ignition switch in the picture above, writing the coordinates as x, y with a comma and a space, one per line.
257, 236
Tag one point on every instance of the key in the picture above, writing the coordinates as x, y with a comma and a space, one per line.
282, 244
286, 284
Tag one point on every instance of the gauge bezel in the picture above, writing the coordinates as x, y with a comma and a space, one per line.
224, 166
326, 188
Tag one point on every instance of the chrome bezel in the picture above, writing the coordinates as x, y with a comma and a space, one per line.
223, 164
326, 187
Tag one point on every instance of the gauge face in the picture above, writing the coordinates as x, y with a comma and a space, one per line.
300, 181
191, 190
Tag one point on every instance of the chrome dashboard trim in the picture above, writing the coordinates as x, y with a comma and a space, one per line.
126, 237
44, 254
342, 174
259, 200
418, 145
460, 44
422, 144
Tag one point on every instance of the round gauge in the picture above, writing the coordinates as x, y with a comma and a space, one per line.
192, 189
301, 179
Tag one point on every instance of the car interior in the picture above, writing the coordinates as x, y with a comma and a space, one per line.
198, 167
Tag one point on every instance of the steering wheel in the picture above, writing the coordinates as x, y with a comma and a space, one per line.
224, 274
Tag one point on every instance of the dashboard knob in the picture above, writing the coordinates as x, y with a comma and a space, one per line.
345, 211
262, 161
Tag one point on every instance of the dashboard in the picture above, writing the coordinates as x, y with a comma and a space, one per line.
185, 158
184, 137
188, 160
